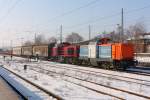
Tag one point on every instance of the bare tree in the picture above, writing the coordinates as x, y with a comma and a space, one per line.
28, 43
52, 40
40, 40
114, 36
74, 38
135, 32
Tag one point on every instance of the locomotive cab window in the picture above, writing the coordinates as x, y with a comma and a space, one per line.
83, 51
70, 51
105, 51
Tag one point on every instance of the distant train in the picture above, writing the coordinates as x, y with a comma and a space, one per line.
100, 53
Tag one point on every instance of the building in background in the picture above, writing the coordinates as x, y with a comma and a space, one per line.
142, 43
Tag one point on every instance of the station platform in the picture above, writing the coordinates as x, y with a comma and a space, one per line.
6, 92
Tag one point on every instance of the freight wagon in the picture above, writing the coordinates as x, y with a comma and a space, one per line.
40, 50
27, 51
17, 51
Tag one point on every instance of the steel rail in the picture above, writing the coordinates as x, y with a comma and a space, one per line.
37, 86
129, 92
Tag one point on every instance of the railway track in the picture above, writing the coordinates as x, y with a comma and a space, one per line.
138, 72
53, 96
98, 73
128, 71
89, 88
95, 72
48, 72
79, 84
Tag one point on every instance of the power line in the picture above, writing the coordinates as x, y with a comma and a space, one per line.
3, 5
9, 11
73, 10
93, 21
106, 17
81, 7
138, 9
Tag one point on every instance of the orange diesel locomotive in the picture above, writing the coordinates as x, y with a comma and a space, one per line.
107, 55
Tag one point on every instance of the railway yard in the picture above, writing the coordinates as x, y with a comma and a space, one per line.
45, 80
74, 50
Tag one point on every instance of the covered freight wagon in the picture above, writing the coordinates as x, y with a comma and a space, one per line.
17, 51
27, 51
40, 50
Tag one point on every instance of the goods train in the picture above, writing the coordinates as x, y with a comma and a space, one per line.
101, 53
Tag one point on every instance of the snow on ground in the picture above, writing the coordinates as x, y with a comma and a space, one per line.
23, 87
62, 88
58, 85
117, 82
121, 74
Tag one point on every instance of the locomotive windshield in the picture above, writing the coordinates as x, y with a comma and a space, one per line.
104, 51
83, 51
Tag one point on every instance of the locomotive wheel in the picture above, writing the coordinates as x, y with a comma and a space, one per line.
89, 63
79, 62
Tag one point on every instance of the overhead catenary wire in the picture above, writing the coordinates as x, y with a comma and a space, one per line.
3, 6
95, 20
9, 11
107, 17
72, 11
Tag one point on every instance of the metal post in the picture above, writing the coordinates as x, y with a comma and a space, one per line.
89, 32
122, 26
22, 41
118, 26
3, 44
61, 34
11, 46
35, 38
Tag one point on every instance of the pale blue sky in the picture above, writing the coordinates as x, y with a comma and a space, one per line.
44, 17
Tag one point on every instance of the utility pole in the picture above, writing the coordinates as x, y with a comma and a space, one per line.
11, 46
61, 34
22, 41
35, 38
3, 44
89, 32
122, 26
